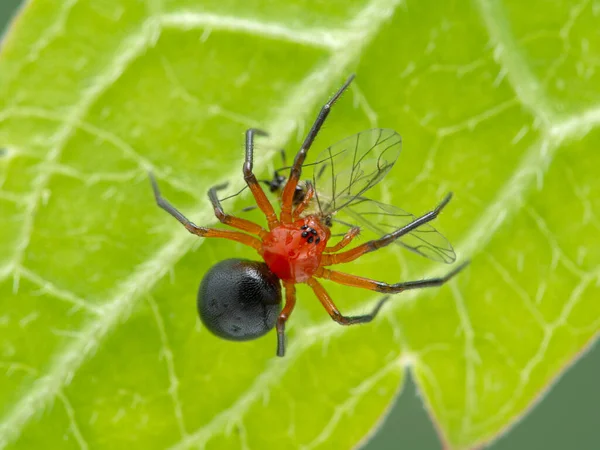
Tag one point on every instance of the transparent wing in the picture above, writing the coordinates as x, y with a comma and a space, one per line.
382, 219
352, 166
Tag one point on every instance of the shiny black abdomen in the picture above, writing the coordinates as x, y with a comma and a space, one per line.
239, 299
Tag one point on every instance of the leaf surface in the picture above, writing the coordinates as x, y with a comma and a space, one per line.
100, 345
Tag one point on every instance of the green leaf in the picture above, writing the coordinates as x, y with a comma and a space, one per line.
100, 343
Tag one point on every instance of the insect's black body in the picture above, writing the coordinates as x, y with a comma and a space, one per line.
277, 183
239, 299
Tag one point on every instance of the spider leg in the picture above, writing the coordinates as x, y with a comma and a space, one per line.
335, 314
290, 302
371, 246
310, 193
287, 197
202, 231
235, 222
351, 234
379, 286
259, 195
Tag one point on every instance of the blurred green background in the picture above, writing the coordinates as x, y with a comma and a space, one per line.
567, 418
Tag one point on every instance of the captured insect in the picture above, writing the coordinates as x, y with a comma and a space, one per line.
240, 299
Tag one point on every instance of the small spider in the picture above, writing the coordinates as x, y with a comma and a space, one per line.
241, 300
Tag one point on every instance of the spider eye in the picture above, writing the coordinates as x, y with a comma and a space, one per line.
239, 299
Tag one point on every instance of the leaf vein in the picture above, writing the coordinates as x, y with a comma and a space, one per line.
471, 358
167, 353
47, 287
189, 20
508, 54
72, 422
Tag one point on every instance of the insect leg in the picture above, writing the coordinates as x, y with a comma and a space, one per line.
287, 197
232, 221
283, 157
277, 182
202, 231
351, 234
259, 195
290, 302
335, 314
379, 286
371, 246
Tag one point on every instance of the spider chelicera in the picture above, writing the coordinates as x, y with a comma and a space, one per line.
240, 299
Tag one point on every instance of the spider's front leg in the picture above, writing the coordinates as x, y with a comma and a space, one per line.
371, 246
202, 231
348, 237
232, 221
259, 195
385, 288
308, 196
287, 197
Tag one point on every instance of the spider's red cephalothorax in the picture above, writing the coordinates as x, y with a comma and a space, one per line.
240, 299
293, 251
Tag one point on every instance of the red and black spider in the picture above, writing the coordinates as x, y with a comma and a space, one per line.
240, 299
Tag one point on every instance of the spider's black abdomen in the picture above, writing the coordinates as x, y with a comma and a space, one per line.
239, 299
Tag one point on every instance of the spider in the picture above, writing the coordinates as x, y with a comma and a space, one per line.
241, 300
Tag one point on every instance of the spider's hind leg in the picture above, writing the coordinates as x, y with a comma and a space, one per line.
284, 315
